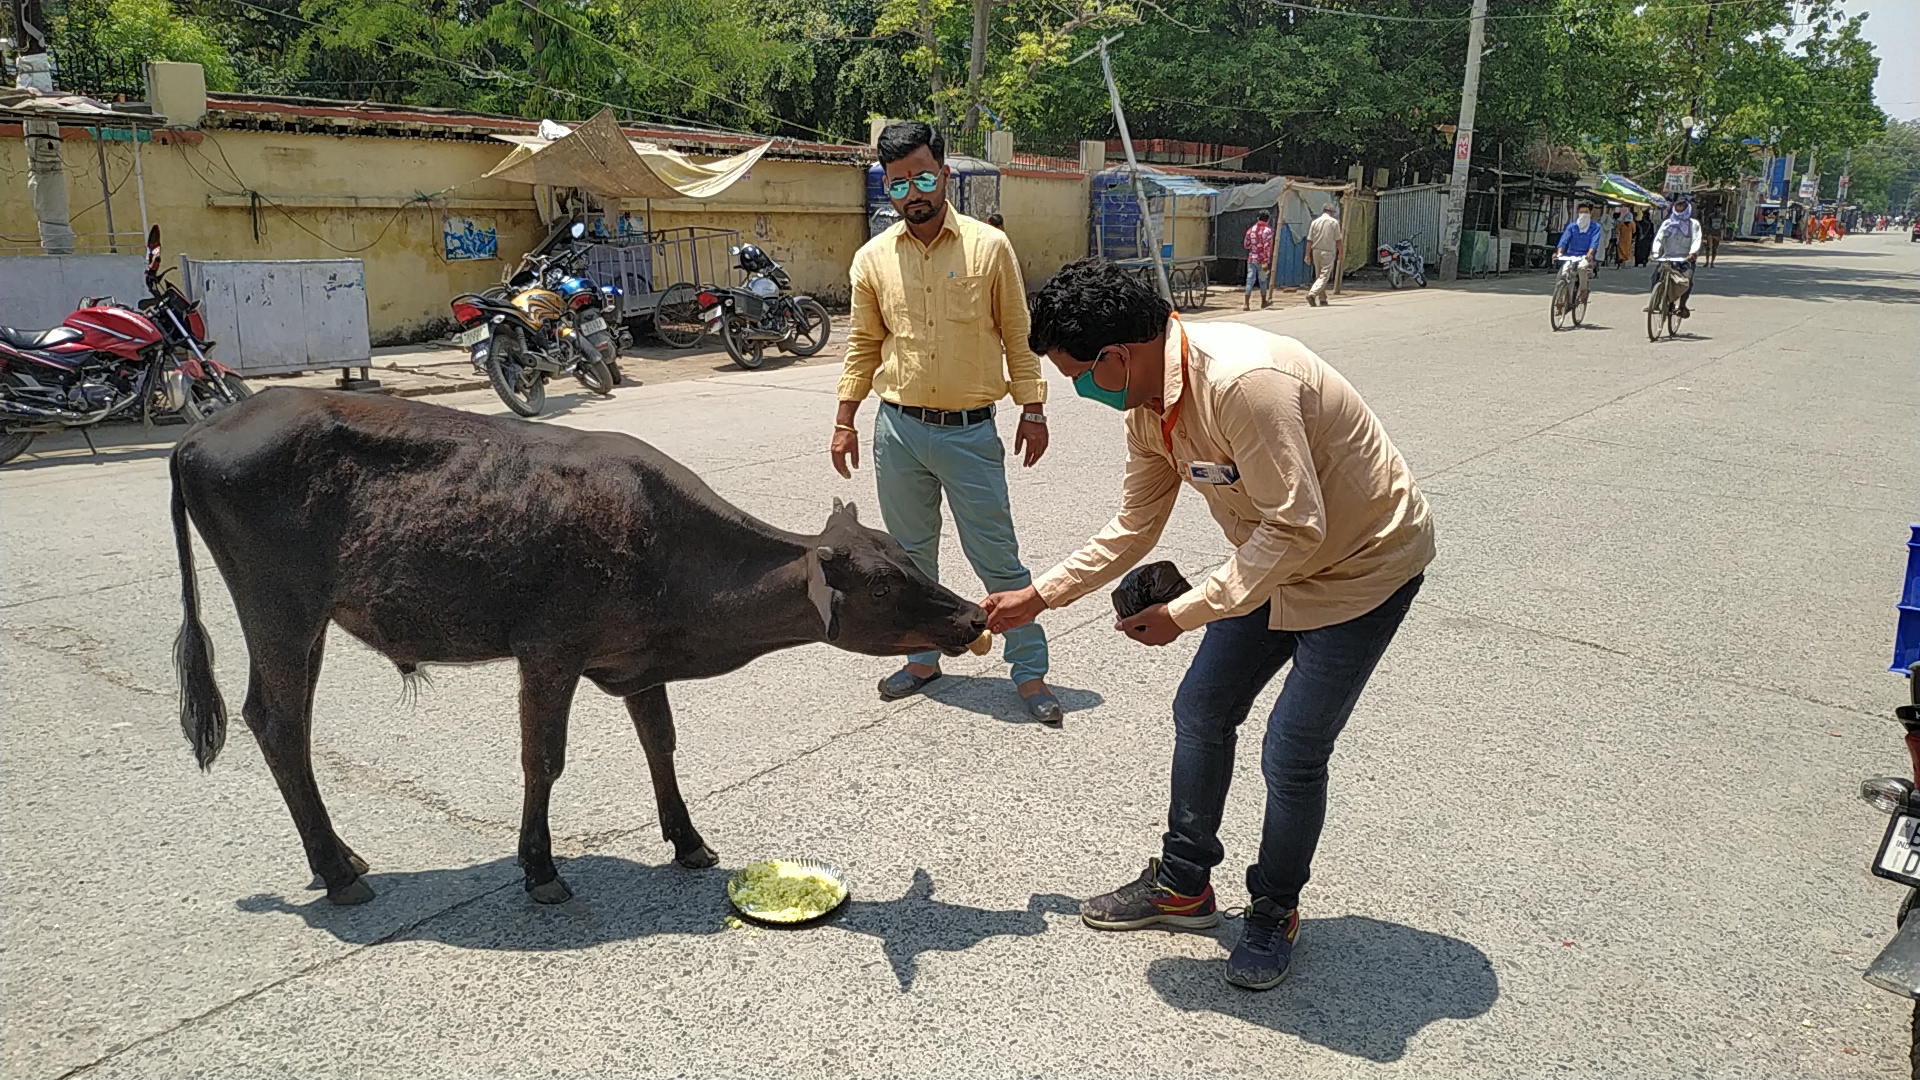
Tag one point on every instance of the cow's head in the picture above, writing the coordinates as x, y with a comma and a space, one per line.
873, 600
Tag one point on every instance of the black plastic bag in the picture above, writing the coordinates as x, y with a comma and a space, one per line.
1145, 586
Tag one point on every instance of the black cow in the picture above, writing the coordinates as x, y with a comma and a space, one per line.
438, 536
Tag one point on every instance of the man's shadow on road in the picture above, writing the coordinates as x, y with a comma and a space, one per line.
998, 698
483, 908
1358, 986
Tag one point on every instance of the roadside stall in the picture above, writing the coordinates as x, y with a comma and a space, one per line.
1294, 204
659, 271
1120, 234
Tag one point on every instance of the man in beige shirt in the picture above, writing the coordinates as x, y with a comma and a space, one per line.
939, 330
1324, 237
1331, 540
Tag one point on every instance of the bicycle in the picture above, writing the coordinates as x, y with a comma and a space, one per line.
1569, 299
1663, 309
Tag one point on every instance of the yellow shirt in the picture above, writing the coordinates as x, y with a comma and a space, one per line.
941, 326
1325, 517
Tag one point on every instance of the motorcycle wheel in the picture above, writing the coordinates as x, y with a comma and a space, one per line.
13, 444
518, 385
593, 375
1393, 277
204, 398
811, 328
676, 321
609, 351
1420, 278
747, 354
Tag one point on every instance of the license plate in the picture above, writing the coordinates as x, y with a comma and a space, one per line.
1899, 858
710, 314
592, 324
475, 336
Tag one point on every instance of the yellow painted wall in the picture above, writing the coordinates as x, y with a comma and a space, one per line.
345, 196
1046, 220
339, 196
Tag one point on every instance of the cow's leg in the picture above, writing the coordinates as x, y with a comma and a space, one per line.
546, 696
279, 710
654, 720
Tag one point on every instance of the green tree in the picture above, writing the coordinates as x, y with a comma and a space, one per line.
101, 46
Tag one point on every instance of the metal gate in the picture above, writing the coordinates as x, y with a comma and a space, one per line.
276, 316
1418, 214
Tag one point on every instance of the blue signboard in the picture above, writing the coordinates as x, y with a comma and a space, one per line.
470, 238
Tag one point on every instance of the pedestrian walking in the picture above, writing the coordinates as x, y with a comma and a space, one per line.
939, 330
1259, 246
1643, 231
1609, 236
1624, 253
1323, 253
1332, 538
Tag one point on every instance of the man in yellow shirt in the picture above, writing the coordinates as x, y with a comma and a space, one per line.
939, 329
1331, 537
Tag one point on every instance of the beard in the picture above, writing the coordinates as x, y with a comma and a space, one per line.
921, 211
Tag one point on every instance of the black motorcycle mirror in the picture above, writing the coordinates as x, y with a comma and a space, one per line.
153, 249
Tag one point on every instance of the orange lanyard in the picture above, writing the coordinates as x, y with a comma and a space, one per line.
1173, 413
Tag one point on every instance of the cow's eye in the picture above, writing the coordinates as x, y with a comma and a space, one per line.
879, 590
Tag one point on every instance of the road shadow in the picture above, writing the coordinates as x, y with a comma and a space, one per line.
1358, 986
997, 697
484, 908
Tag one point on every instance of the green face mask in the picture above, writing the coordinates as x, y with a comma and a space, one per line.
1084, 385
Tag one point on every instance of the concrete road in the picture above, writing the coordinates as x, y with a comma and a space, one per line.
1595, 816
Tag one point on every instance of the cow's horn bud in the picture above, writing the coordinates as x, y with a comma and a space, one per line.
825, 553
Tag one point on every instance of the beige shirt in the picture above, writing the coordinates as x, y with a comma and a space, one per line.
1323, 236
1325, 516
940, 325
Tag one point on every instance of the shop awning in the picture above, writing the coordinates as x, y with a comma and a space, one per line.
1617, 187
598, 157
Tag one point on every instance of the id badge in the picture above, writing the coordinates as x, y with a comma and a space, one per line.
1208, 472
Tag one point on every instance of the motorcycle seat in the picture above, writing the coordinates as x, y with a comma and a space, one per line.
38, 339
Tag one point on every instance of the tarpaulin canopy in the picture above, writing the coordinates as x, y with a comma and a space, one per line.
1254, 196
598, 157
1617, 187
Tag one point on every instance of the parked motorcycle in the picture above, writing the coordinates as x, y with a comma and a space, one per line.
587, 305
1897, 968
526, 334
1403, 262
104, 361
211, 385
763, 311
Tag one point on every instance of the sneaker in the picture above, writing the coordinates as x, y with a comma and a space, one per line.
1265, 951
1144, 902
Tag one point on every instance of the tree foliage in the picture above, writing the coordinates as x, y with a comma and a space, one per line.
1311, 89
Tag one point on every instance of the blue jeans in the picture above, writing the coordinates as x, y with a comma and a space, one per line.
913, 462
1236, 660
1256, 278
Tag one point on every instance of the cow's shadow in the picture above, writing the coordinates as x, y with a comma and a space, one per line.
1358, 986
483, 908
997, 697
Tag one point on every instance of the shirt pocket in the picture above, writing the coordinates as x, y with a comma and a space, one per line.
966, 299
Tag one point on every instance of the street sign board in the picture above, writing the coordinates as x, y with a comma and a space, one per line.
1463, 145
1679, 179
1808, 185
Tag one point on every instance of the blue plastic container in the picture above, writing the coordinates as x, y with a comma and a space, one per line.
1906, 638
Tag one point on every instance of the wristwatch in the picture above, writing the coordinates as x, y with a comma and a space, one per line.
1033, 417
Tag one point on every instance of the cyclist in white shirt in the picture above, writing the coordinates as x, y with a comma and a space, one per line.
1679, 237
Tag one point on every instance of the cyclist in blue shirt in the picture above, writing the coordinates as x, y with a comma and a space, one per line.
1581, 237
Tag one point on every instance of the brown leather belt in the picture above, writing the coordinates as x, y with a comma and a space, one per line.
938, 418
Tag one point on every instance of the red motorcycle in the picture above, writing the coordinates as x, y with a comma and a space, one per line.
107, 360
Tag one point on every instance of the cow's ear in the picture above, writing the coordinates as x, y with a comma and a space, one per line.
825, 597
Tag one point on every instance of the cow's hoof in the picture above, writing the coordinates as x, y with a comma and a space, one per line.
353, 892
699, 858
550, 892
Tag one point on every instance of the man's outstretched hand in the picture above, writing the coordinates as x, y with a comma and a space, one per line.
1011, 610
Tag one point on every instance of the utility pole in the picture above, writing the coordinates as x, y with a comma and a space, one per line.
46, 169
1463, 146
1133, 166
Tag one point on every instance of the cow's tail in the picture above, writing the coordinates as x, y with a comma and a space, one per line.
203, 715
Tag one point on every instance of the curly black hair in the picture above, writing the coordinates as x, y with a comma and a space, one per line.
1091, 304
